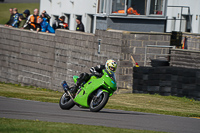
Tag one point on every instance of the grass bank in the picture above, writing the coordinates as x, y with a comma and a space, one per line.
168, 105
33, 126
4, 9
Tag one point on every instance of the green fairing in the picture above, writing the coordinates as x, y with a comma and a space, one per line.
75, 78
106, 83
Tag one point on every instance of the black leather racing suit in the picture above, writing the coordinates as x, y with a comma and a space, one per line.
84, 77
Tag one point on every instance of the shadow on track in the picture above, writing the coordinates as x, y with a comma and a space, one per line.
119, 112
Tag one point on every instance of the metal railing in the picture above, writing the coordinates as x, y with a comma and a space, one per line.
155, 46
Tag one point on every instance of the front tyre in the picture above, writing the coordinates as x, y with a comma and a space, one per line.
97, 103
66, 102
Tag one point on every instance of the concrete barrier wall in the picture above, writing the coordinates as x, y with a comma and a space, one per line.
133, 43
167, 81
26, 57
45, 60
185, 58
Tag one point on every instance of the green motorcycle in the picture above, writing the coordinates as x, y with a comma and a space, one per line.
94, 94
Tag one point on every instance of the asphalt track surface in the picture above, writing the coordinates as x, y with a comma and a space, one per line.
32, 110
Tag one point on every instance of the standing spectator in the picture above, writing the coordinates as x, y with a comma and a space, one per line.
16, 18
46, 16
33, 20
80, 26
60, 23
27, 14
45, 27
11, 18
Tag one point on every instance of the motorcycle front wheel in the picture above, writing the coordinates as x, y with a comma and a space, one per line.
66, 102
97, 103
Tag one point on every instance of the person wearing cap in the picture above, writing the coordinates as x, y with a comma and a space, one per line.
24, 19
26, 13
80, 26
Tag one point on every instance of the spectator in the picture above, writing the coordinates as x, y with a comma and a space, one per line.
60, 23
24, 19
33, 20
45, 27
21, 18
11, 18
16, 18
80, 26
26, 13
46, 16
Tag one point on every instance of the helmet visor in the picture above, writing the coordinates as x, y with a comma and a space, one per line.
112, 68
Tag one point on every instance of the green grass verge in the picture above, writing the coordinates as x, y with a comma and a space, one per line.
4, 9
168, 105
35, 126
29, 93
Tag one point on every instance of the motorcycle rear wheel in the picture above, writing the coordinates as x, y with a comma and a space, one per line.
66, 102
97, 103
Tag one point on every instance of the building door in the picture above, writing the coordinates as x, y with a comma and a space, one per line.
186, 23
199, 24
54, 19
90, 24
67, 19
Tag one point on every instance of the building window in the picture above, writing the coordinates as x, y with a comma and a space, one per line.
132, 8
119, 6
137, 7
67, 19
101, 6
156, 7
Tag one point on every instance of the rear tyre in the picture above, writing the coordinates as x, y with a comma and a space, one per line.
97, 103
66, 102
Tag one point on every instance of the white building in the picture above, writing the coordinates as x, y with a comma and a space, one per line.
151, 15
188, 11
71, 9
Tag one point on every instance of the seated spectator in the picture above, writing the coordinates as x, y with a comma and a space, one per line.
60, 23
45, 27
33, 21
46, 16
10, 22
16, 18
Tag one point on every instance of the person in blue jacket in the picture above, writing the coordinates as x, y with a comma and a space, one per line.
16, 18
45, 27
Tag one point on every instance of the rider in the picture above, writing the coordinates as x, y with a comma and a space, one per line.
110, 66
